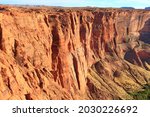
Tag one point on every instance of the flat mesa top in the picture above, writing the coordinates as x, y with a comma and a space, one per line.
28, 8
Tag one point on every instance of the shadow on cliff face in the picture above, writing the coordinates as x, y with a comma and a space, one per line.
140, 58
132, 57
145, 32
140, 54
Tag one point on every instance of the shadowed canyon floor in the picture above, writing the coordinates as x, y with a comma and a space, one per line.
73, 53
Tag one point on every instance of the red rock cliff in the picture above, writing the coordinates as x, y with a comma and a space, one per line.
48, 53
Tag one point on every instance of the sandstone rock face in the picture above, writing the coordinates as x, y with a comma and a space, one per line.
53, 53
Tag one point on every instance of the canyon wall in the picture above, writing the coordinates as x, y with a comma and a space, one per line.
72, 53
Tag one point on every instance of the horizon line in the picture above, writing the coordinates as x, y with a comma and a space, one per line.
72, 6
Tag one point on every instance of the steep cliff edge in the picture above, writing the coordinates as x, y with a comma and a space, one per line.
70, 53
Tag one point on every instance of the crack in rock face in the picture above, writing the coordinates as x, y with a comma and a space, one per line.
73, 53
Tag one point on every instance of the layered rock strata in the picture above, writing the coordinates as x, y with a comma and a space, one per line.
73, 53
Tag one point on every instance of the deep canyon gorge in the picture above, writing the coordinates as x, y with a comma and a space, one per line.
73, 53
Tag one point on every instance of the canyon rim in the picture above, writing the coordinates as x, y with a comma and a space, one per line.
61, 53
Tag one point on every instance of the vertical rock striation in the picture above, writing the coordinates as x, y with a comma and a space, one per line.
52, 53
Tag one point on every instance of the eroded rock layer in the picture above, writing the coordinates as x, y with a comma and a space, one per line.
73, 53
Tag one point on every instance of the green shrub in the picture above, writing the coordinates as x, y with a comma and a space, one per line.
127, 39
142, 95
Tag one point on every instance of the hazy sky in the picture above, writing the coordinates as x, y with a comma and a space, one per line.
99, 3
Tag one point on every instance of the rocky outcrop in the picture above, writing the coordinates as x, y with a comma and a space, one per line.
147, 8
53, 53
127, 8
